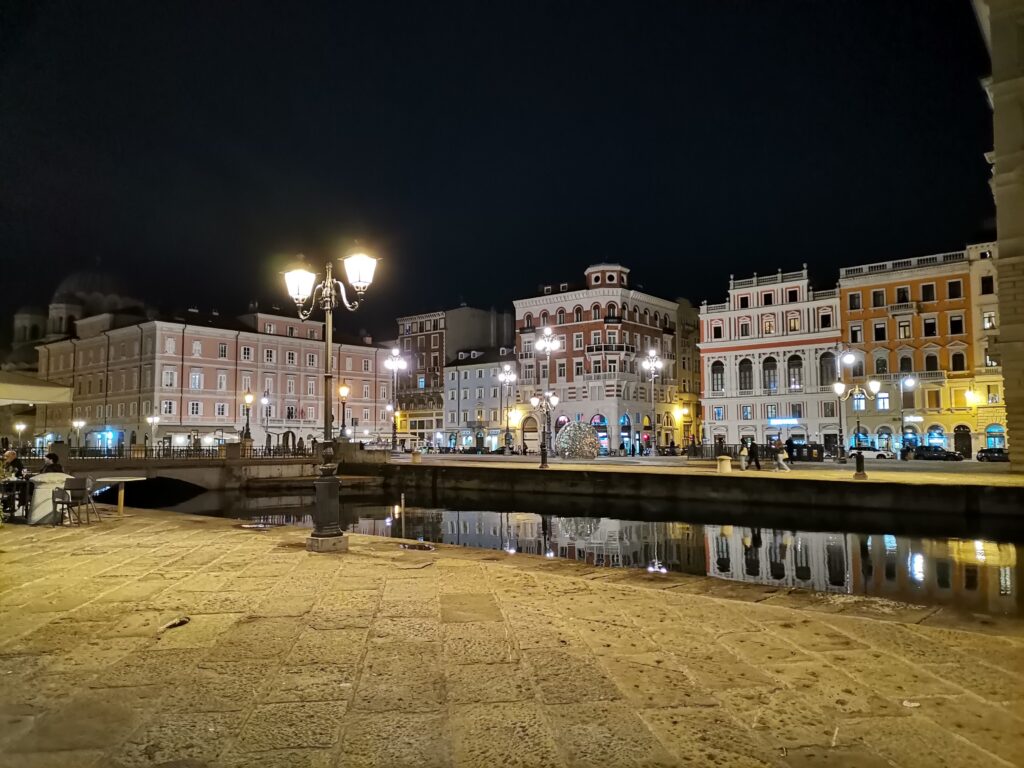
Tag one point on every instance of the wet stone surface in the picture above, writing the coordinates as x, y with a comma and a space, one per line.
386, 657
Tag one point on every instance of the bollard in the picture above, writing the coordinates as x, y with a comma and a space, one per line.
724, 465
859, 473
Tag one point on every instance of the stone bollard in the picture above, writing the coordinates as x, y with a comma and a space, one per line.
724, 465
417, 457
859, 473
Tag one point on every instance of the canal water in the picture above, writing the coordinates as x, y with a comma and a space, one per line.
958, 565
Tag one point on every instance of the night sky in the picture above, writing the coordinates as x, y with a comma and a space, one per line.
482, 147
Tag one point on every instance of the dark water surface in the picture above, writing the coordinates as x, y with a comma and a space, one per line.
969, 566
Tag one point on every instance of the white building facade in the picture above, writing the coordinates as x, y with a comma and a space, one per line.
477, 405
768, 358
604, 329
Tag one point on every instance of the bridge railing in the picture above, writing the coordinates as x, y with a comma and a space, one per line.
166, 452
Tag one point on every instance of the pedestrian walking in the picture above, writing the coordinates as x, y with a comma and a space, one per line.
743, 455
752, 455
780, 457
790, 446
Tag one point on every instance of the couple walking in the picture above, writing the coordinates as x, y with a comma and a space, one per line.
749, 455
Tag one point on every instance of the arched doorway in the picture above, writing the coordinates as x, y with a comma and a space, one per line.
288, 440
962, 440
600, 423
910, 437
531, 438
936, 435
995, 436
625, 433
645, 435
560, 422
885, 439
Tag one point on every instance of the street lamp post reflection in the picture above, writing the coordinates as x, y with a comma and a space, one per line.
394, 363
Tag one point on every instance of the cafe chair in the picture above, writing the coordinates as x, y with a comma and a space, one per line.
90, 502
69, 501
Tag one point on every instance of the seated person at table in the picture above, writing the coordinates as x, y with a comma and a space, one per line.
12, 464
51, 463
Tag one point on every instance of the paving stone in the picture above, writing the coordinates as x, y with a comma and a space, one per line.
606, 639
405, 630
606, 733
913, 741
401, 676
293, 726
981, 679
706, 737
831, 690
256, 637
89, 721
477, 642
469, 607
149, 667
175, 738
565, 676
889, 676
328, 646
486, 683
283, 758
762, 648
412, 739
783, 719
201, 631
811, 635
312, 682
833, 757
646, 682
427, 608
512, 735
70, 759
217, 687
990, 727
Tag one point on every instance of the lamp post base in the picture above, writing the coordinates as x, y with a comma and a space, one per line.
327, 534
338, 543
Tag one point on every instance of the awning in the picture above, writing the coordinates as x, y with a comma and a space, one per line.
19, 389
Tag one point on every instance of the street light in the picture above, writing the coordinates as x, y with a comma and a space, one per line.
247, 398
547, 343
545, 405
842, 358
153, 421
77, 425
394, 363
328, 295
507, 377
652, 364
343, 391
856, 391
19, 428
906, 382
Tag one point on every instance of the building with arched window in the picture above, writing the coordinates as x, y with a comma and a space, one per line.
768, 357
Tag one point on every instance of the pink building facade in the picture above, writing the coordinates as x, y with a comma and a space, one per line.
192, 372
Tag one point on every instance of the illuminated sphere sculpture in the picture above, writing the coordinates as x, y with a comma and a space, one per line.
577, 440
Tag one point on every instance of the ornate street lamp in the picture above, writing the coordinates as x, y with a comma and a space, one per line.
19, 428
77, 425
507, 377
906, 383
652, 364
856, 391
547, 343
394, 363
343, 391
545, 405
328, 295
247, 398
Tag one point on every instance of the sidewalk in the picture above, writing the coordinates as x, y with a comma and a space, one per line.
391, 657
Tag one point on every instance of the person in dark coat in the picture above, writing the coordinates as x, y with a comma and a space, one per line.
12, 464
790, 445
51, 463
752, 455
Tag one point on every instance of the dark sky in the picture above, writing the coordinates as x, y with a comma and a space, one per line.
483, 147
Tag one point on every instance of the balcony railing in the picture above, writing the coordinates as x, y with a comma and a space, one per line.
599, 348
900, 264
904, 308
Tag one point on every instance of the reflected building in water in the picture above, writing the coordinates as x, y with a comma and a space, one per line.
818, 561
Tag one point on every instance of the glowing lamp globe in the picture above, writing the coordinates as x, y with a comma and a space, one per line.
553, 400
839, 388
343, 391
299, 282
849, 358
874, 386
248, 398
909, 382
359, 269
534, 401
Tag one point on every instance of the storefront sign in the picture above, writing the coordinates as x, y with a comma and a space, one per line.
913, 419
783, 422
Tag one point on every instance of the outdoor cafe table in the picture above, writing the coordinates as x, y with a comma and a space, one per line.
120, 489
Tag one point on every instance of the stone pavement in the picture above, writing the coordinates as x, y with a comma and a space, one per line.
458, 657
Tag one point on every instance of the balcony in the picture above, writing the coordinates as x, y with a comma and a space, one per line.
607, 376
593, 349
901, 264
904, 308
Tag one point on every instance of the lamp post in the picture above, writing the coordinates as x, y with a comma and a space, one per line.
906, 382
343, 391
545, 405
77, 425
19, 428
394, 363
856, 390
328, 295
247, 398
547, 343
842, 358
652, 364
507, 377
153, 421
265, 419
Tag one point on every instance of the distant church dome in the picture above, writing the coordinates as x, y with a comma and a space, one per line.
79, 287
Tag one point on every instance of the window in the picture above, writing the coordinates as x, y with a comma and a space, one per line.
928, 292
291, 331
746, 374
310, 334
793, 323
577, 367
859, 402
366, 414
878, 297
221, 409
718, 413
954, 289
595, 337
770, 374
930, 326
120, 409
195, 408
311, 387
561, 369
169, 378
828, 409
744, 302
289, 386
289, 357
169, 346
771, 411
746, 412
882, 401
931, 362
795, 371
792, 295
853, 301
383, 392
718, 376
768, 325
958, 361
902, 295
988, 285
289, 412
879, 331
577, 341
195, 380
246, 383
933, 398
366, 364
826, 368
247, 353
766, 299
222, 351
956, 325
311, 360
716, 332
167, 407
744, 329
268, 328
903, 329
268, 355
479, 393
906, 364
856, 334
826, 319
451, 394
988, 320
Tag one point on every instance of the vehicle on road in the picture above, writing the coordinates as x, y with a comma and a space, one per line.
993, 454
935, 453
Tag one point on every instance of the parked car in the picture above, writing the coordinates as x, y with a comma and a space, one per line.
993, 454
873, 453
935, 453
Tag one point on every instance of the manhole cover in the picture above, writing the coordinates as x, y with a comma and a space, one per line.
420, 546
